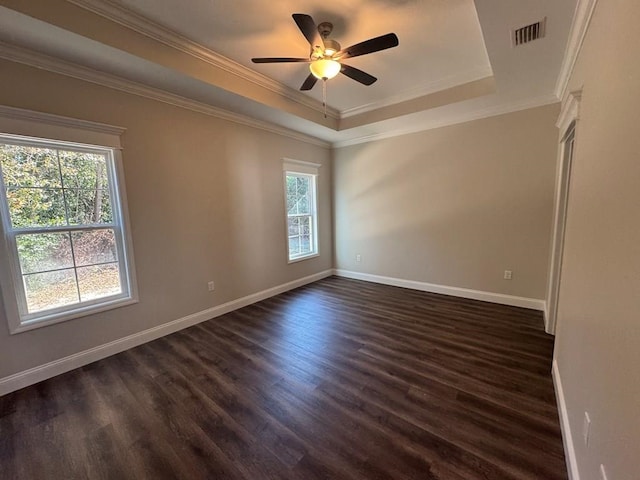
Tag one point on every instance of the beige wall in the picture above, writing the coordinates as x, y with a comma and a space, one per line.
598, 331
206, 203
453, 206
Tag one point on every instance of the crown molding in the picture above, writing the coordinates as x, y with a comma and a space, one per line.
421, 91
457, 119
45, 62
166, 36
581, 20
38, 60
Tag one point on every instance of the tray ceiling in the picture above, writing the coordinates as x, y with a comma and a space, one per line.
455, 60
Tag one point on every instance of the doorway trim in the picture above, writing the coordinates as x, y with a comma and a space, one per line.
567, 124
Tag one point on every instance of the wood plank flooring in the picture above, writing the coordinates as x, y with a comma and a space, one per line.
340, 379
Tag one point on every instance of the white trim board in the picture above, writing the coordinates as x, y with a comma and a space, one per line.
581, 19
565, 427
500, 298
48, 370
18, 121
569, 113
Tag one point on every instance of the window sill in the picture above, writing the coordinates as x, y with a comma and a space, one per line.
47, 320
306, 257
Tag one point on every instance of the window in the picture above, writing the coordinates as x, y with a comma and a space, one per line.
301, 200
64, 233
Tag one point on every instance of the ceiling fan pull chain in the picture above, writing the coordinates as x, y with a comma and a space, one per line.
324, 96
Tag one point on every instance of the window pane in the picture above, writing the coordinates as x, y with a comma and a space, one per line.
305, 244
96, 246
302, 186
88, 206
36, 207
292, 208
303, 205
298, 194
83, 170
294, 226
291, 185
44, 251
305, 234
45, 291
294, 246
305, 225
29, 166
99, 281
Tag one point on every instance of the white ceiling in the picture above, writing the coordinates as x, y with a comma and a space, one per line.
427, 81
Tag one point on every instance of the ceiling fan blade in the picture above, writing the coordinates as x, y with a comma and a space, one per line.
309, 82
357, 75
309, 29
368, 46
279, 60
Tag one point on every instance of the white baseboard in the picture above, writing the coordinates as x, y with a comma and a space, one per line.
500, 298
62, 365
567, 438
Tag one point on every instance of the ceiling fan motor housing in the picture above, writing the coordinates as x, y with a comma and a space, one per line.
325, 29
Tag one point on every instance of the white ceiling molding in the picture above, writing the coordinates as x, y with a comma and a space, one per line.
33, 59
462, 118
146, 27
422, 90
581, 19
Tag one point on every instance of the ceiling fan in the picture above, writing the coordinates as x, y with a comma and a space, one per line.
325, 59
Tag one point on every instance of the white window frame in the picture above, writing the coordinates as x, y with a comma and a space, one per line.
310, 170
44, 130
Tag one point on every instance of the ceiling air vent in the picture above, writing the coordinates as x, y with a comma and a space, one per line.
529, 33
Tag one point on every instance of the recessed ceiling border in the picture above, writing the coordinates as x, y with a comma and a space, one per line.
54, 65
148, 28
462, 118
420, 91
51, 64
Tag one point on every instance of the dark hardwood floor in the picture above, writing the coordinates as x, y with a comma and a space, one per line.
340, 379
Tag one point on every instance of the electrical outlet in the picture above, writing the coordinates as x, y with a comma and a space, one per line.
211, 286
603, 473
358, 258
508, 274
586, 427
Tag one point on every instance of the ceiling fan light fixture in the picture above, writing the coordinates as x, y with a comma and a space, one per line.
331, 47
325, 68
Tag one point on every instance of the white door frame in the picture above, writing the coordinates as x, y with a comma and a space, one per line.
567, 124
